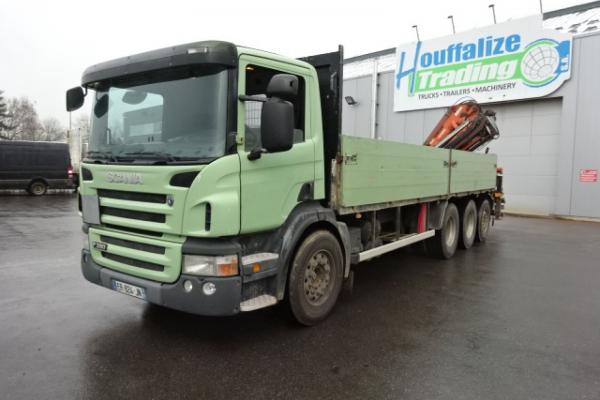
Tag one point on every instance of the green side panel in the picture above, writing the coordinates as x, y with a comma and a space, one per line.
218, 184
379, 171
158, 253
472, 171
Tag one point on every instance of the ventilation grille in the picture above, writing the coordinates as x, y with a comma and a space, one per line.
133, 262
131, 214
134, 230
133, 245
133, 196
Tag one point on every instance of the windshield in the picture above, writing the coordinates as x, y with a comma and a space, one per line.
173, 120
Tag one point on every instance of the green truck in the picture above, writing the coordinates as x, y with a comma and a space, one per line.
217, 181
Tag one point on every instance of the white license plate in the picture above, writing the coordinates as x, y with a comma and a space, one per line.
130, 290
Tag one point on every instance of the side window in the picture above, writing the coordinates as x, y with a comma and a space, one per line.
257, 79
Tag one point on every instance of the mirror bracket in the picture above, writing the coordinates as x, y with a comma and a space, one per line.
256, 153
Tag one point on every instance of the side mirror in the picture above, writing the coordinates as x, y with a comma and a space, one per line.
75, 98
277, 115
277, 125
101, 106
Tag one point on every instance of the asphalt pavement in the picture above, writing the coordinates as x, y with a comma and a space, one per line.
515, 318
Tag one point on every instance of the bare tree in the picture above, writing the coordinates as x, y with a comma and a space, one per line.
4, 125
53, 130
22, 121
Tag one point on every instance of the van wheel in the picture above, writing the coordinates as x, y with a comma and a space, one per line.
315, 278
484, 221
37, 188
443, 244
468, 225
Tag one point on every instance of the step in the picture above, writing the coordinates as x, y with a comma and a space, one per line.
255, 303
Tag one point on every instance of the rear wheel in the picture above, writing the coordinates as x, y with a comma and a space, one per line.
37, 188
443, 244
315, 278
468, 225
484, 221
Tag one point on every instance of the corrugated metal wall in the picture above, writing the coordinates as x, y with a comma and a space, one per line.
544, 142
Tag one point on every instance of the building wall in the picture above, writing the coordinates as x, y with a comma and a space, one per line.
580, 132
543, 142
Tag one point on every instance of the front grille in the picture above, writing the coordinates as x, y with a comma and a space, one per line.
131, 214
133, 262
150, 248
133, 196
134, 230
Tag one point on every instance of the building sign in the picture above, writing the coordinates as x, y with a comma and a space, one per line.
588, 175
509, 61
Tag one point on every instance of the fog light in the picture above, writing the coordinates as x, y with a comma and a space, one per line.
188, 286
209, 288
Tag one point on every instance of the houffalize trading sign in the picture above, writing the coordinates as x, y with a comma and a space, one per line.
509, 61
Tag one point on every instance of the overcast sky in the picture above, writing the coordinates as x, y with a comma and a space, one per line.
46, 45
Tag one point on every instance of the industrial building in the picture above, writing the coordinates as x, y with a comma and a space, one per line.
549, 144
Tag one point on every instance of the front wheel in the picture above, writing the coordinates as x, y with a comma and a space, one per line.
315, 278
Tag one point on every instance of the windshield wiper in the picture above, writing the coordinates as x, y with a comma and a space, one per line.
158, 157
151, 155
100, 155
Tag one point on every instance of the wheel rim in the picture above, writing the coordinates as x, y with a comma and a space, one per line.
450, 232
317, 278
484, 220
37, 189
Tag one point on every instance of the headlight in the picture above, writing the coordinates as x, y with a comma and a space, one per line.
210, 265
85, 241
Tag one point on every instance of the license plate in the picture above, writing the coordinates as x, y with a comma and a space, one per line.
130, 290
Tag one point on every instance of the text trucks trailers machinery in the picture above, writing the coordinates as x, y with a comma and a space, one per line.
217, 181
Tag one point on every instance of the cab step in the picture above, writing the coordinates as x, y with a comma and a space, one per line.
255, 303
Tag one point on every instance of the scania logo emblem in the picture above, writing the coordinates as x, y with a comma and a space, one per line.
170, 200
122, 177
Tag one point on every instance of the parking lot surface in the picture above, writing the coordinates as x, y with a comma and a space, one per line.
516, 318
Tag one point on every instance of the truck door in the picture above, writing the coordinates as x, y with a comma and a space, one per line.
274, 184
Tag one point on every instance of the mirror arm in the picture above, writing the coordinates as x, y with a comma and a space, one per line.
256, 153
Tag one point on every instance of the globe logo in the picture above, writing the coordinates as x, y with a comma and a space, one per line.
540, 63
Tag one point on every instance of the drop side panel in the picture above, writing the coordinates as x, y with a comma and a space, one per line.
379, 171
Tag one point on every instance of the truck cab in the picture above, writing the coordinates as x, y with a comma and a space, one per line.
182, 204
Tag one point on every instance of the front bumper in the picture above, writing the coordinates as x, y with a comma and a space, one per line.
225, 301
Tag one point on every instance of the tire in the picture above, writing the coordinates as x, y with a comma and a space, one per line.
315, 278
443, 244
468, 225
37, 188
484, 221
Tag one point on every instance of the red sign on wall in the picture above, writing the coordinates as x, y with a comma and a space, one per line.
588, 175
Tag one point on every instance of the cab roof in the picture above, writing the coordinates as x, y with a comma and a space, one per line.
195, 53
